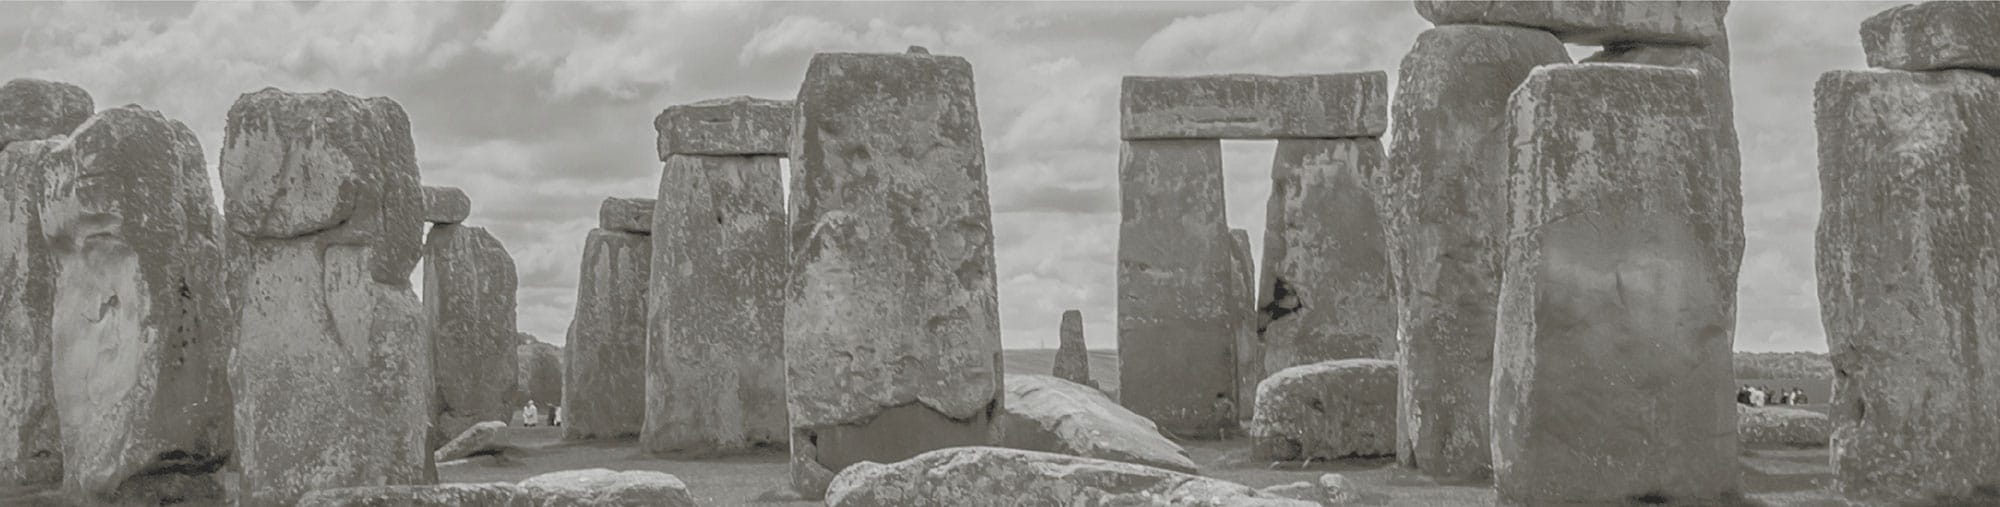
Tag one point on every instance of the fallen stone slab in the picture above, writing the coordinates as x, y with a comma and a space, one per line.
1328, 410
1934, 36
1177, 319
446, 205
604, 384
1330, 489
1781, 425
1595, 22
626, 215
1247, 106
33, 109
1326, 291
1072, 358
991, 476
599, 487
728, 126
1049, 414
478, 438
494, 494
30, 451
469, 293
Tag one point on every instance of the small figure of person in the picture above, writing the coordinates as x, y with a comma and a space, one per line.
1800, 398
528, 415
1224, 415
556, 418
1743, 395
1758, 396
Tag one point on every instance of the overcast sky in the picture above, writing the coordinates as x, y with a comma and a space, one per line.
539, 111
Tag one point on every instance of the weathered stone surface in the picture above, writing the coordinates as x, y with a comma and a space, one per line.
446, 205
1781, 425
139, 334
539, 374
1072, 357
1049, 414
1330, 489
1328, 410
1613, 332
469, 290
604, 385
1934, 36
1597, 22
1249, 350
989, 476
332, 367
1177, 320
1247, 106
1444, 199
30, 450
626, 215
1908, 249
1326, 292
715, 372
480, 437
892, 330
598, 487
493, 494
33, 109
728, 126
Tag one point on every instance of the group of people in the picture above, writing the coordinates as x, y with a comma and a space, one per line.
1757, 396
531, 416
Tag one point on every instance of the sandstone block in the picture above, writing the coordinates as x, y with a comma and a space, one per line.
1249, 346
1177, 320
989, 476
1444, 201
1246, 106
626, 215
332, 367
1328, 410
1049, 414
1326, 292
469, 291
31, 452
492, 494
604, 385
1906, 249
446, 205
1596, 22
729, 126
715, 370
1072, 356
892, 331
1613, 297
33, 109
1782, 426
597, 486
1934, 36
478, 438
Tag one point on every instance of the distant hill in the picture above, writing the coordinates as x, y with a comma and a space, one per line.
1783, 365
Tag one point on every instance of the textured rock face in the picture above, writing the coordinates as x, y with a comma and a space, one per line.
446, 205
469, 284
599, 487
1328, 410
1612, 302
1780, 425
30, 452
1326, 292
1049, 414
626, 215
604, 389
1595, 22
1249, 341
892, 317
1176, 317
1072, 357
332, 368
494, 494
33, 109
1908, 249
479, 437
715, 376
988, 476
1934, 36
139, 329
539, 373
1242, 106
733, 126
1445, 205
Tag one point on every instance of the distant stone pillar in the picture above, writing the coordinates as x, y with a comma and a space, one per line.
892, 328
604, 384
715, 370
1326, 293
1249, 344
469, 295
1612, 372
332, 369
1072, 356
539, 370
1909, 257
36, 118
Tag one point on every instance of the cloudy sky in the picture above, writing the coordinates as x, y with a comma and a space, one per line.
539, 111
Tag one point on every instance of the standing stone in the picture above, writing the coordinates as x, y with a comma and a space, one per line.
446, 205
1934, 36
469, 284
1596, 22
332, 368
892, 330
1613, 321
1072, 357
1909, 262
1326, 292
35, 119
33, 109
604, 389
1177, 318
715, 371
539, 373
1445, 202
1328, 410
1249, 342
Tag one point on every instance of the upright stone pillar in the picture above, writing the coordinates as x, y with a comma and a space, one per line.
1072, 355
1445, 206
892, 328
715, 370
1612, 369
1176, 336
604, 384
469, 294
332, 370
1326, 292
36, 118
1249, 344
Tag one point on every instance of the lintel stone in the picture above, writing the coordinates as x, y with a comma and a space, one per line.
446, 205
728, 126
626, 215
1934, 36
1248, 106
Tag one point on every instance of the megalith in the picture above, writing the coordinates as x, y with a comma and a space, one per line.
1177, 320
1908, 256
446, 205
1594, 22
1445, 210
604, 389
892, 331
1327, 410
1072, 354
1326, 292
1249, 341
469, 291
36, 118
1934, 36
332, 368
715, 367
1613, 323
